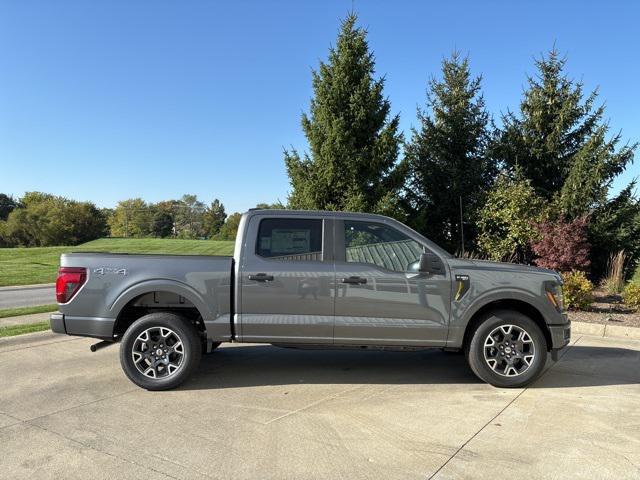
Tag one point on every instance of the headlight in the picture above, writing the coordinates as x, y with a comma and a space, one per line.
555, 295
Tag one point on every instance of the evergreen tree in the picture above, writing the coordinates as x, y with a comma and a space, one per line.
214, 218
560, 141
615, 226
7, 205
162, 224
447, 157
353, 141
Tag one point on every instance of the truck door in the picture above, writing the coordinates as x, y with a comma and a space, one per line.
287, 276
381, 298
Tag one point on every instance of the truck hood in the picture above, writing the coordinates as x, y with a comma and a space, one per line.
466, 264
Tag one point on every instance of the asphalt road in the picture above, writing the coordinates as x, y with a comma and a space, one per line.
261, 412
12, 297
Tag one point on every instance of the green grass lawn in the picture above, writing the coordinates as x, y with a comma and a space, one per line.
14, 330
14, 312
27, 266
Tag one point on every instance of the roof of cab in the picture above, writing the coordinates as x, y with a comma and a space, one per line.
326, 213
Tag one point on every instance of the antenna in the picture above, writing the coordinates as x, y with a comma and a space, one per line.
461, 230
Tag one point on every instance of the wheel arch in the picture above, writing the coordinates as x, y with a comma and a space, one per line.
126, 309
512, 304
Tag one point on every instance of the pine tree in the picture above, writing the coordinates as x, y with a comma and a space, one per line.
447, 157
213, 218
354, 143
615, 226
560, 140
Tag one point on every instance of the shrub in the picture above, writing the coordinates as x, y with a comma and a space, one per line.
636, 275
578, 290
562, 246
613, 283
631, 295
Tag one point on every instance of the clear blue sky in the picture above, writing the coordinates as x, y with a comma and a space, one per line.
115, 99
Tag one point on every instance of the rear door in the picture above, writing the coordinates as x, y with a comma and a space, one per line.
381, 298
287, 276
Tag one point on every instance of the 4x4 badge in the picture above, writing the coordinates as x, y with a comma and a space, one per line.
115, 271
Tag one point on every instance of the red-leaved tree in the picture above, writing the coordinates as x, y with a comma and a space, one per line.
562, 246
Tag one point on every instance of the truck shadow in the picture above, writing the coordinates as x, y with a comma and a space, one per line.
264, 365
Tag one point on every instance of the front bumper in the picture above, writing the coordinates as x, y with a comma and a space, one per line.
95, 327
560, 335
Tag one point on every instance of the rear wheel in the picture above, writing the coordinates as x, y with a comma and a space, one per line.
160, 351
507, 349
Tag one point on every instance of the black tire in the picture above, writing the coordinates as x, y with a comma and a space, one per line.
514, 372
185, 359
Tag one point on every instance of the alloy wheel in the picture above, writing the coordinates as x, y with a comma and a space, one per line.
509, 350
158, 352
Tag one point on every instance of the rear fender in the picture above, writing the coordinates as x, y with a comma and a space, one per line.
171, 286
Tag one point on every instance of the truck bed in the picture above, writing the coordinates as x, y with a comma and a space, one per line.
117, 282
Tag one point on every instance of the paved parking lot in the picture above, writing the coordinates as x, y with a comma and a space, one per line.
265, 412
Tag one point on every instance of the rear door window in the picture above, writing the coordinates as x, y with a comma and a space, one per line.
290, 239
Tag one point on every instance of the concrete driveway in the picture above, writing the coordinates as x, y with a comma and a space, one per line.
27, 296
263, 412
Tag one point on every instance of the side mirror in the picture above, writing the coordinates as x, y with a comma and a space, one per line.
430, 263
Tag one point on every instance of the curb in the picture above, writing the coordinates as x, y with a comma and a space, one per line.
46, 335
36, 339
26, 287
606, 331
29, 318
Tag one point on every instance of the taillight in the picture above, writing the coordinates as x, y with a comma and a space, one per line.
69, 281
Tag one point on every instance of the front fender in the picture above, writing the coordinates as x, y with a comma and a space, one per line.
463, 311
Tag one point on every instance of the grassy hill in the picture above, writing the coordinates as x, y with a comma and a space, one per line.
27, 266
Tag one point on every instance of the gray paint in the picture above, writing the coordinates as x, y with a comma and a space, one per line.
307, 302
298, 305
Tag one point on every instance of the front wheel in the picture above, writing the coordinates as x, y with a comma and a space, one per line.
160, 351
508, 349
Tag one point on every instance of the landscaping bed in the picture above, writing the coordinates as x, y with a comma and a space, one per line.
607, 309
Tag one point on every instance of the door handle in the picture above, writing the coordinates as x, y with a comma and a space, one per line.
261, 277
354, 280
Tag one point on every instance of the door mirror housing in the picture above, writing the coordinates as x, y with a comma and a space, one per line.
430, 263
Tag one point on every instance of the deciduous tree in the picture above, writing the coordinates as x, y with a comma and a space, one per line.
507, 220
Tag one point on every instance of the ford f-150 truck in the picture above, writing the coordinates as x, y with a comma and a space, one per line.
310, 279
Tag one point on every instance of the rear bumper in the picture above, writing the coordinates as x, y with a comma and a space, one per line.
95, 327
56, 320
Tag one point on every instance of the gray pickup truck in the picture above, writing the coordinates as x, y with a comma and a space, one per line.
308, 279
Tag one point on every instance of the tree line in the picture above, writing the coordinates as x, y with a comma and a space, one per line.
531, 186
41, 219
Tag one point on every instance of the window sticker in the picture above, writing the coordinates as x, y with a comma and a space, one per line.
287, 241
